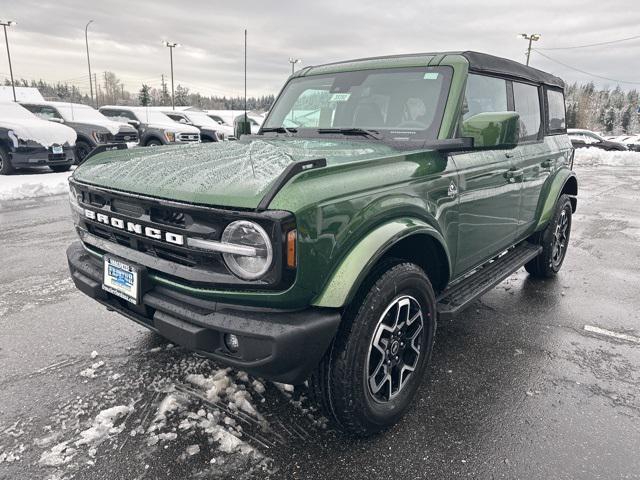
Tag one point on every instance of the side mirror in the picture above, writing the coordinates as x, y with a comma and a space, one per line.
134, 123
493, 130
183, 121
56, 120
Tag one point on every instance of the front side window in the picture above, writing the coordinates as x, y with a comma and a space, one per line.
555, 110
484, 94
527, 104
400, 104
44, 112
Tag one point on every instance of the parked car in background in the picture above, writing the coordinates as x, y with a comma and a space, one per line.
92, 127
632, 142
29, 141
232, 117
154, 127
326, 252
586, 138
210, 130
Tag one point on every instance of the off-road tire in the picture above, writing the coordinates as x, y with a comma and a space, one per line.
5, 164
60, 168
547, 264
340, 384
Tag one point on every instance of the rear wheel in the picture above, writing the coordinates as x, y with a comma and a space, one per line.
60, 168
372, 370
554, 240
5, 164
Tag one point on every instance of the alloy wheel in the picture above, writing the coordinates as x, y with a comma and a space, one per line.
560, 239
395, 348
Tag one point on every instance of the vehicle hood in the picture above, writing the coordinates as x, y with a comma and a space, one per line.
227, 174
111, 126
41, 131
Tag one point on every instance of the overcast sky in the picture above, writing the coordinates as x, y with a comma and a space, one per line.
126, 36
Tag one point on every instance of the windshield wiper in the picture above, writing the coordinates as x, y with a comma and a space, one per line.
353, 131
288, 131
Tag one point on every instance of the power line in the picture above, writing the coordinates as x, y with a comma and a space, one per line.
591, 44
583, 71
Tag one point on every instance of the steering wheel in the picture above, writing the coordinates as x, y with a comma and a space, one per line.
411, 124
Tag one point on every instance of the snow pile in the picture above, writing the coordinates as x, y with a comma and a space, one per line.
41, 184
26, 126
91, 371
597, 156
103, 425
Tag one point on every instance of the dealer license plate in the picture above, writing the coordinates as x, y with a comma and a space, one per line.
121, 279
57, 149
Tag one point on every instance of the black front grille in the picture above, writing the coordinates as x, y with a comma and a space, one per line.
133, 213
57, 157
124, 137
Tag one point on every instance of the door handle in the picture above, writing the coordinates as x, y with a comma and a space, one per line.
509, 154
513, 172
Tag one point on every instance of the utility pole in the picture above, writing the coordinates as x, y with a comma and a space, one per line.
534, 37
293, 62
171, 46
86, 40
5, 24
106, 87
95, 82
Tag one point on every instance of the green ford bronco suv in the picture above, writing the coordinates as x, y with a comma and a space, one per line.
379, 195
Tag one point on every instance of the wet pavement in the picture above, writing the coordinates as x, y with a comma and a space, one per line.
517, 387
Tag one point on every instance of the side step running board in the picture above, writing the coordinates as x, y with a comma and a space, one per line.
459, 295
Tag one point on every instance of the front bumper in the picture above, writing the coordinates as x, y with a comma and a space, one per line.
37, 156
275, 344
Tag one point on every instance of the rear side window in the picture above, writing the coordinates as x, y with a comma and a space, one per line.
484, 94
556, 121
526, 100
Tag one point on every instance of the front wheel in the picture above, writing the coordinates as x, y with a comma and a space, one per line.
82, 150
372, 370
554, 240
154, 142
5, 164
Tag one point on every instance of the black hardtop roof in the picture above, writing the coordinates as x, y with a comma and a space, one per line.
485, 63
478, 62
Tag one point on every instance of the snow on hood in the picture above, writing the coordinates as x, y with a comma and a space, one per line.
26, 126
175, 127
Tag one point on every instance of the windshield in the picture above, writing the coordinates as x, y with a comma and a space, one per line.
146, 115
80, 113
201, 119
401, 104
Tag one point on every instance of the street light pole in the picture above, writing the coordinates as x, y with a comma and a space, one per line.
86, 40
293, 62
534, 37
6, 24
171, 46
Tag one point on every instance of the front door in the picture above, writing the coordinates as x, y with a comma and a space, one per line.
488, 205
488, 188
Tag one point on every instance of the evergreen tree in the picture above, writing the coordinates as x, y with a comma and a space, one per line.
144, 96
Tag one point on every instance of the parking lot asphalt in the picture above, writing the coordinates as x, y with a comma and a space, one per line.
520, 385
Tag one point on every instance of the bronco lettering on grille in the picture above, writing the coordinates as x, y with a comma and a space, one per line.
136, 228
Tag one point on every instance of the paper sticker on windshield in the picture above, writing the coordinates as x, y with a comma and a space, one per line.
339, 97
431, 76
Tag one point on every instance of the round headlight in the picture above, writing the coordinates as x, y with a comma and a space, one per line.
248, 234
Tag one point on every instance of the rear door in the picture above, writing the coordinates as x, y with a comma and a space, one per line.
488, 195
541, 150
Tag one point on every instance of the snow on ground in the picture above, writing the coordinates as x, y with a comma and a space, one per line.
33, 183
597, 157
166, 405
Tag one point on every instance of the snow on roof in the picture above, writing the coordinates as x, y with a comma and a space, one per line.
23, 94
